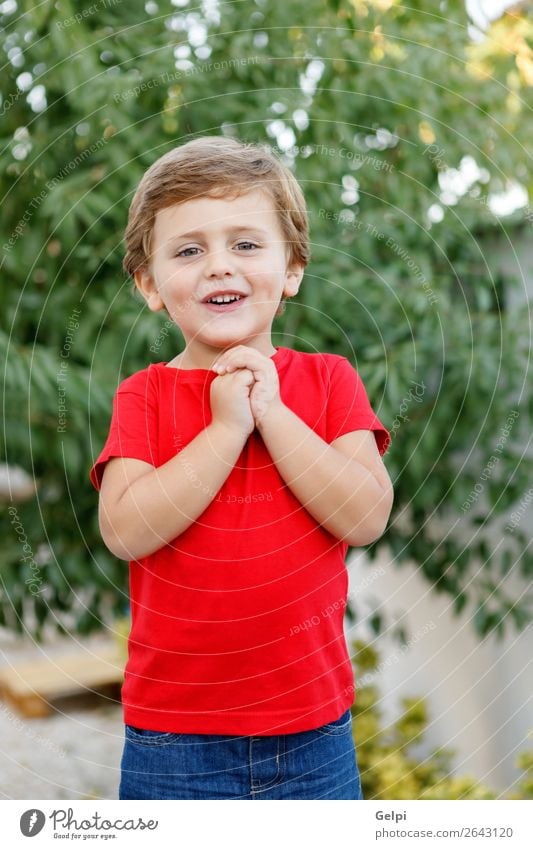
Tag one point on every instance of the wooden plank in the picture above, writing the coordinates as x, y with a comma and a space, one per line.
30, 686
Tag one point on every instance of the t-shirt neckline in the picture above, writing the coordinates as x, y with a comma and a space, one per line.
277, 358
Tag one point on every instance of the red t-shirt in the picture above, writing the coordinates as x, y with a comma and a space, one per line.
237, 624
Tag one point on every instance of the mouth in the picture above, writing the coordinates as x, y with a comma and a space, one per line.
228, 303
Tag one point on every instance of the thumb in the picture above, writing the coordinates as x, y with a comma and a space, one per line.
245, 376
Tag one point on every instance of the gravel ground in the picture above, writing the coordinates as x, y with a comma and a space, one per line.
72, 754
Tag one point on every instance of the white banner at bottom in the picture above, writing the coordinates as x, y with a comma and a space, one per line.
505, 824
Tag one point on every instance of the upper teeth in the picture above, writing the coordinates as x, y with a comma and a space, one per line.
223, 299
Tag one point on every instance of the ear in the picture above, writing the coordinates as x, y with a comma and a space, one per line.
293, 278
147, 287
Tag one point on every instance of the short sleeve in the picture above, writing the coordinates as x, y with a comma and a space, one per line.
133, 428
349, 408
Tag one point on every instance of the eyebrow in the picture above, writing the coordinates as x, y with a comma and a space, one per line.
194, 234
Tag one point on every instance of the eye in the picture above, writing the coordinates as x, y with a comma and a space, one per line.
185, 252
249, 244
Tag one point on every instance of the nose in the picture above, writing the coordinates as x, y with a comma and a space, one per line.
219, 263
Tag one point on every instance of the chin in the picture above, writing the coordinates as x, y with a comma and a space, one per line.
228, 336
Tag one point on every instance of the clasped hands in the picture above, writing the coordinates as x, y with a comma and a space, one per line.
264, 394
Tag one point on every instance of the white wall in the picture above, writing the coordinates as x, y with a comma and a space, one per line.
479, 693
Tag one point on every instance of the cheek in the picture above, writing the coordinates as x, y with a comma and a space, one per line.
173, 282
170, 271
265, 272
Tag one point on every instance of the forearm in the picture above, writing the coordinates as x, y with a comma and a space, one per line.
160, 505
339, 492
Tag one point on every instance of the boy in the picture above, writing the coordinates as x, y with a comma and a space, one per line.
233, 479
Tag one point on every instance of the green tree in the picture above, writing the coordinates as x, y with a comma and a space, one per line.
371, 104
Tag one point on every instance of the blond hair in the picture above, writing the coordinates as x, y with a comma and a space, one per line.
215, 166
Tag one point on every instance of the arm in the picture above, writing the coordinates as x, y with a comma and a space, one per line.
345, 485
142, 508
346, 489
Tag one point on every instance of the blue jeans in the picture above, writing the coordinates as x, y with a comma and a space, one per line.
317, 764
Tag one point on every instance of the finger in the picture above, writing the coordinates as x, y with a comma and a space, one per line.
237, 361
239, 357
243, 375
236, 373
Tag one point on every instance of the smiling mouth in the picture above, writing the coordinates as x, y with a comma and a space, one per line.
228, 304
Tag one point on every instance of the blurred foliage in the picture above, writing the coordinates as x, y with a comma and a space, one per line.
376, 100
386, 756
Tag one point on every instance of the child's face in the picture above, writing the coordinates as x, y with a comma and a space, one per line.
208, 245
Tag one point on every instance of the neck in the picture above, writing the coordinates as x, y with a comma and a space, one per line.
189, 359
